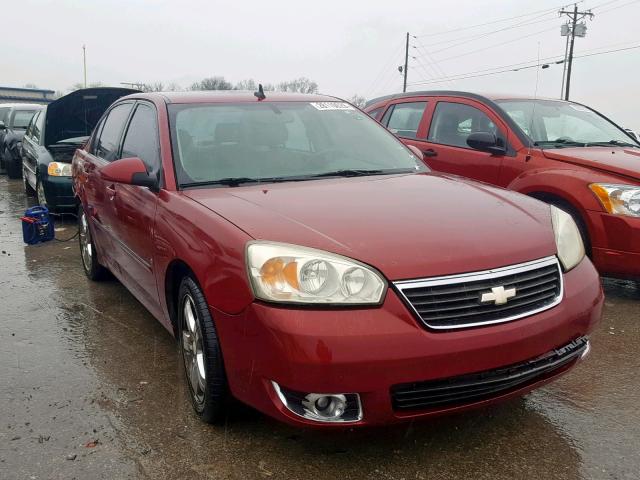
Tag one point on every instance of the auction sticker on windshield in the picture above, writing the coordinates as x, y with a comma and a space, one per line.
332, 106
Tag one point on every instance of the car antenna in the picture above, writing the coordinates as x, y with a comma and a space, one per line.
260, 93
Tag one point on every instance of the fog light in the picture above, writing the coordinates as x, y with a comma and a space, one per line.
321, 407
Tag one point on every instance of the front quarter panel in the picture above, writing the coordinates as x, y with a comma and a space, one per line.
212, 247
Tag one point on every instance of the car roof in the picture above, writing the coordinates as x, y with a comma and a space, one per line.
457, 93
226, 96
22, 106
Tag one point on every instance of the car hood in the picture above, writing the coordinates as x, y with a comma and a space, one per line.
76, 114
618, 160
407, 226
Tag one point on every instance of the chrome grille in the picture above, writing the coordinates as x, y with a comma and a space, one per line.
479, 386
455, 301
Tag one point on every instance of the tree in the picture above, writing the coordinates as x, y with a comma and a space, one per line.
358, 101
153, 87
249, 84
212, 83
300, 85
174, 87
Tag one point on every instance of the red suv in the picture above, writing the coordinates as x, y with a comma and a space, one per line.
312, 266
563, 153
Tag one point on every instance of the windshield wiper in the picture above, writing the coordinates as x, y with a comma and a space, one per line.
362, 172
229, 181
236, 181
559, 143
616, 143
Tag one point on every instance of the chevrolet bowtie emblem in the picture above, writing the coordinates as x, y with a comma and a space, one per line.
498, 295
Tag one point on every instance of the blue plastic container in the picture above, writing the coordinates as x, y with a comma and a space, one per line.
37, 226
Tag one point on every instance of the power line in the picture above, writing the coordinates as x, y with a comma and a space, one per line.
464, 76
519, 38
462, 40
493, 22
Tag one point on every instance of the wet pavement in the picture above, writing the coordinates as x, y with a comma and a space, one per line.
91, 387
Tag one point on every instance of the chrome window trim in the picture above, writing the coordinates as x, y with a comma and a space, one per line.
482, 275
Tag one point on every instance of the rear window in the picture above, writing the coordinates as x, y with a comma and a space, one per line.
404, 118
21, 118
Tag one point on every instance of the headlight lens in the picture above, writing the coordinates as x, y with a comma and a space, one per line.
618, 199
292, 274
568, 238
59, 169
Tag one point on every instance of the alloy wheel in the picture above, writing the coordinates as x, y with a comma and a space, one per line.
86, 248
193, 350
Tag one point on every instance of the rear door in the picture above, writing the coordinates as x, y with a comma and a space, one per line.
450, 123
30, 147
100, 194
135, 207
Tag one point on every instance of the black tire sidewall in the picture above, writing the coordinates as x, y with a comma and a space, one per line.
216, 393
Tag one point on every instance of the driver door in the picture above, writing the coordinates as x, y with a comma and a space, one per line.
446, 149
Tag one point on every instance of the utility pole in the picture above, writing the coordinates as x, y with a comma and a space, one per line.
579, 30
84, 61
406, 63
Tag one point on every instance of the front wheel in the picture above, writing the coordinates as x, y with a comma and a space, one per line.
88, 252
201, 354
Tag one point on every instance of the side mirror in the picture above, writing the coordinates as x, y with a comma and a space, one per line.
416, 151
486, 142
129, 171
2, 125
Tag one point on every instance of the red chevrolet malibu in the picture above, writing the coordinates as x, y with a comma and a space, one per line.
311, 266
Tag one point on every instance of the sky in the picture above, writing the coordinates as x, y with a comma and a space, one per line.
347, 47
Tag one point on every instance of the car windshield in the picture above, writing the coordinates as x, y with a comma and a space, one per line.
556, 124
21, 118
230, 144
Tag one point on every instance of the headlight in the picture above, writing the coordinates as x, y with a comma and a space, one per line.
618, 199
59, 169
291, 274
568, 238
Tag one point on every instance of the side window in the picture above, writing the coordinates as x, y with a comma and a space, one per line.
4, 114
405, 118
29, 132
109, 139
375, 112
36, 127
96, 135
141, 139
453, 122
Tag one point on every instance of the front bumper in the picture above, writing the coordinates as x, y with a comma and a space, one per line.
615, 242
59, 192
368, 351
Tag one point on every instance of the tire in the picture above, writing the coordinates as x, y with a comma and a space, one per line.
88, 253
201, 354
28, 190
41, 196
14, 170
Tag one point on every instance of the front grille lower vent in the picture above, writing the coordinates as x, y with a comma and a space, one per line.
483, 298
475, 387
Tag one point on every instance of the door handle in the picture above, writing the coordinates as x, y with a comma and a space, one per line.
430, 152
111, 191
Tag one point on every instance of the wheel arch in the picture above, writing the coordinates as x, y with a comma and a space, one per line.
568, 205
175, 272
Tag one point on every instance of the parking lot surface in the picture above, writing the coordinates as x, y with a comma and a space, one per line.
91, 387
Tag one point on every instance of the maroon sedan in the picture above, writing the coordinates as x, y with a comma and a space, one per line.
311, 266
